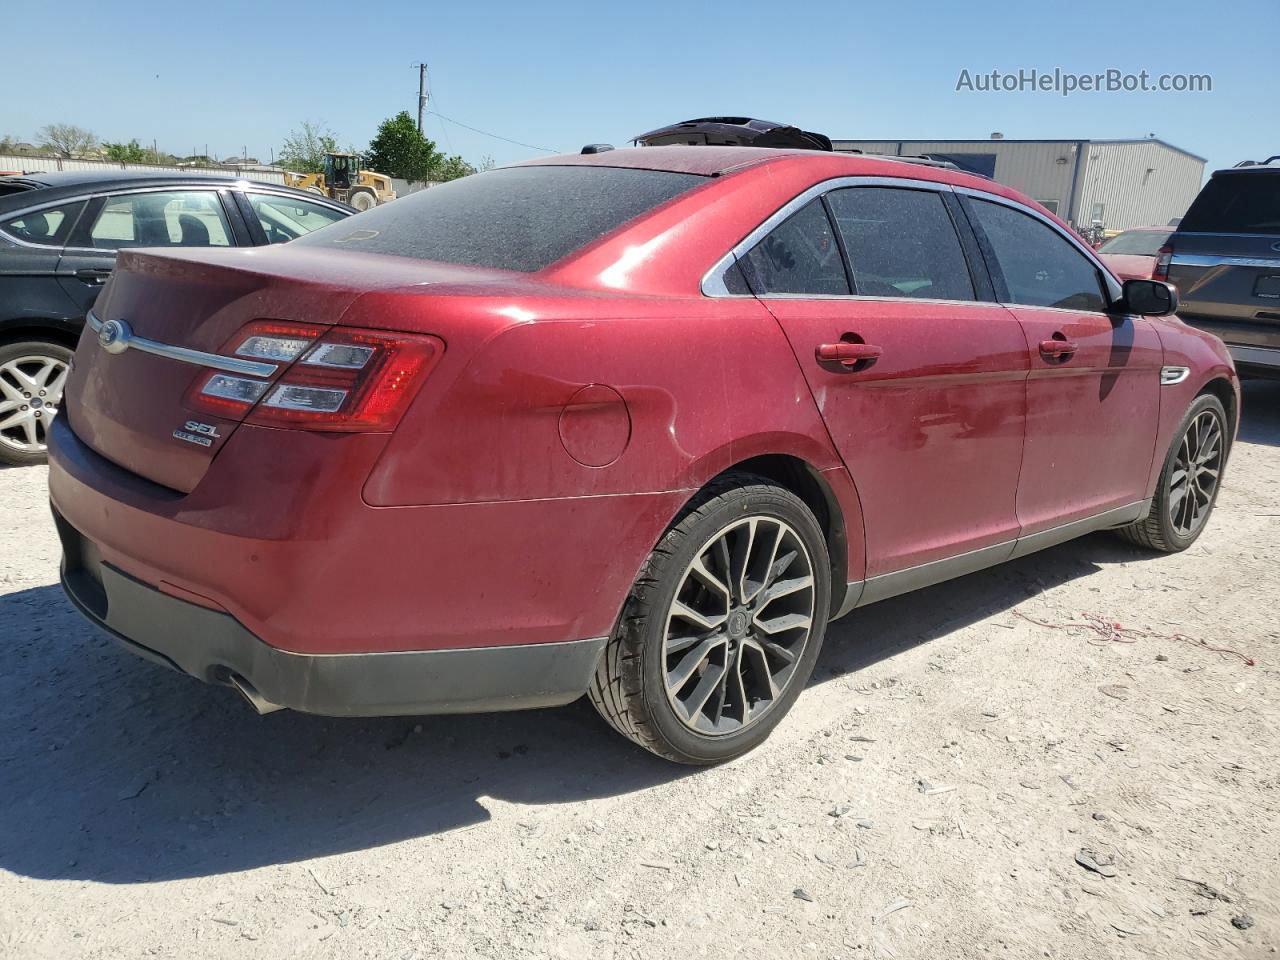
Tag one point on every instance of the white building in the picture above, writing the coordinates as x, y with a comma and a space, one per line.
1123, 183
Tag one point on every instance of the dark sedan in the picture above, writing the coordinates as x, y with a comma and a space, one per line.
59, 233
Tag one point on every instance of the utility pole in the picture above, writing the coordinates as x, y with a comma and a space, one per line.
422, 92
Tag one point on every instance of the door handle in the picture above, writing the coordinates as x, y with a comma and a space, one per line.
848, 354
93, 274
1057, 348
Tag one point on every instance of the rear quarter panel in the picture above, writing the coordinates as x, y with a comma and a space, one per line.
705, 383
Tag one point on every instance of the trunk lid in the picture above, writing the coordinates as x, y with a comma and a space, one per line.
131, 406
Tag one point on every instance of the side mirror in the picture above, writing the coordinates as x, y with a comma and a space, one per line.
1149, 298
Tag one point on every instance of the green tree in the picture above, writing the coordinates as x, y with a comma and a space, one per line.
399, 150
304, 150
452, 168
66, 139
131, 152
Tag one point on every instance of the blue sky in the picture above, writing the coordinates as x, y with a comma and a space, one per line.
561, 74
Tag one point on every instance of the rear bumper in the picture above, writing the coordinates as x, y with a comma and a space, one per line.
277, 536
216, 648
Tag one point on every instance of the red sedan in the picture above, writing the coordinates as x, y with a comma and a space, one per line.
1132, 255
636, 424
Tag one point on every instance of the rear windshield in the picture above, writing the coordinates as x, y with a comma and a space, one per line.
1236, 203
1137, 243
518, 218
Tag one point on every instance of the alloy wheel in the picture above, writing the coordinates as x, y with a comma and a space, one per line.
738, 625
1194, 478
30, 395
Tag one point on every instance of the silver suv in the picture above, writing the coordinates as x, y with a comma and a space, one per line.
1224, 258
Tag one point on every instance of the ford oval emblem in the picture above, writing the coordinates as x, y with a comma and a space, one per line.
113, 336
1276, 246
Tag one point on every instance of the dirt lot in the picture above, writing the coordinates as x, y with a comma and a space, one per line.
927, 798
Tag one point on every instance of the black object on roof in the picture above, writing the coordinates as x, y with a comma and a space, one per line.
736, 132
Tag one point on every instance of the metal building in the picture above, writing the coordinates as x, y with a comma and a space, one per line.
1123, 183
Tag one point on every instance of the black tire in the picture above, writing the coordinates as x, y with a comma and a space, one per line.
26, 356
1159, 529
362, 200
630, 687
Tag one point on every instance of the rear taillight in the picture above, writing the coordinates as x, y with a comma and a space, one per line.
334, 378
1163, 257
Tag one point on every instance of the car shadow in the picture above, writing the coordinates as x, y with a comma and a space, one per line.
1260, 412
117, 771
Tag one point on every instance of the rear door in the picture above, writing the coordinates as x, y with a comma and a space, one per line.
929, 421
1093, 390
169, 217
1226, 260
30, 248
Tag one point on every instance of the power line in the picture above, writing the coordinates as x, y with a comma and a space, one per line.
486, 133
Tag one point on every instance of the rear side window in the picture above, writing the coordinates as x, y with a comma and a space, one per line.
185, 218
799, 256
901, 243
1236, 203
519, 218
48, 227
1040, 268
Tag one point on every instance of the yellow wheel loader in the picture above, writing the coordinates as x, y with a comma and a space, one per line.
343, 180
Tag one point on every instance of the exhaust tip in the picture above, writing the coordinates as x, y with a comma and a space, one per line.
250, 693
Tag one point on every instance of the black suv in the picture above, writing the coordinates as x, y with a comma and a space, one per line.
1224, 258
59, 233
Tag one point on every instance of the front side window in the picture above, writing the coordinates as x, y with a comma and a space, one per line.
901, 243
1039, 266
47, 227
517, 218
287, 218
799, 256
180, 218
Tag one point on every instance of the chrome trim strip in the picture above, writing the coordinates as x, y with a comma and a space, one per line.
859, 593
713, 284
199, 358
1171, 375
1214, 260
1262, 356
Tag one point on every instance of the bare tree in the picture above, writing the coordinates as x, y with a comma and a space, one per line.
66, 139
304, 150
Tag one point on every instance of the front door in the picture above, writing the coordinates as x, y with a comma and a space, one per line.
1094, 390
920, 383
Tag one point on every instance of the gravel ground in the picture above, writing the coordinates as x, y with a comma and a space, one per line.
930, 796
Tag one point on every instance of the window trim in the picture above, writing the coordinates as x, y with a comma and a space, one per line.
1110, 286
713, 285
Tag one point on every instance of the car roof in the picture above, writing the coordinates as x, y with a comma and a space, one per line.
42, 186
1253, 170
715, 161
